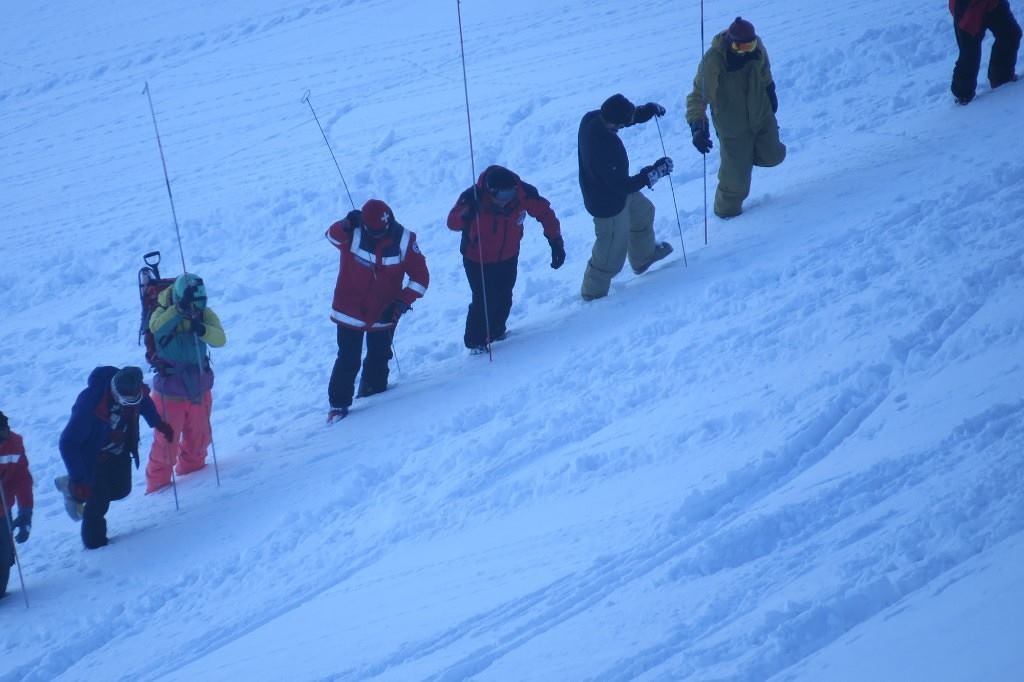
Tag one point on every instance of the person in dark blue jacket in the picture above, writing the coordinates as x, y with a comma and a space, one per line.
99, 443
623, 218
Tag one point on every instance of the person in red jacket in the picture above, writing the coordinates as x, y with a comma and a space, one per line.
971, 18
377, 254
16, 486
490, 216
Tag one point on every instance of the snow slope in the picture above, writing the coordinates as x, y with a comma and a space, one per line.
796, 457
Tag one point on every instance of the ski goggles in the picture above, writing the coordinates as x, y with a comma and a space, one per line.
744, 48
503, 195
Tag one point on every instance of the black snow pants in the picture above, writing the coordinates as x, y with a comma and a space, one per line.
500, 279
346, 364
6, 554
1003, 60
113, 481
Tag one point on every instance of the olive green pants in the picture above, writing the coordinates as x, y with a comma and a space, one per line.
630, 233
739, 155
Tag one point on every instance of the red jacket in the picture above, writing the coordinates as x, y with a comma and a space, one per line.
14, 474
502, 226
371, 273
969, 15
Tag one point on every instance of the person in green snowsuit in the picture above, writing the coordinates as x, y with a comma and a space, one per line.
735, 79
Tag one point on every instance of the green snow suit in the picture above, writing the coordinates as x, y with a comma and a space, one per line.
737, 87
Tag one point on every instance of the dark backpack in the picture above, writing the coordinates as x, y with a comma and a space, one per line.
150, 286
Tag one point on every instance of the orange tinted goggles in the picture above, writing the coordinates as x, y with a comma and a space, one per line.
744, 48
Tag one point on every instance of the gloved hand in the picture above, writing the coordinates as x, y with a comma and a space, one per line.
395, 310
80, 491
701, 135
198, 328
660, 169
23, 524
184, 304
557, 252
354, 220
470, 207
646, 112
773, 97
166, 430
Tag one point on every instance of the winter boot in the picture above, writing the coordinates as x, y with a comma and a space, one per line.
661, 250
72, 505
337, 414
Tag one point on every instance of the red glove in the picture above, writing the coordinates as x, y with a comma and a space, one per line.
166, 430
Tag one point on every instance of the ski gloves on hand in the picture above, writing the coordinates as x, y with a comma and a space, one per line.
23, 525
557, 252
395, 310
166, 430
471, 208
660, 169
701, 135
354, 220
645, 112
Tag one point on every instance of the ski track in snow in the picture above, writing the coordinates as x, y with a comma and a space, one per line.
765, 441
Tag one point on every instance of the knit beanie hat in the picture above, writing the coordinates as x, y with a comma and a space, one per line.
741, 31
617, 110
127, 385
376, 216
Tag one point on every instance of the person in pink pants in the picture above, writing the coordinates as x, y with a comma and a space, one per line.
183, 329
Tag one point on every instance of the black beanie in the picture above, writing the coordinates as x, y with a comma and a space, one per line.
499, 177
128, 382
617, 110
741, 31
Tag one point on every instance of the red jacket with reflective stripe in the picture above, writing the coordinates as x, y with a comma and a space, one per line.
14, 474
372, 272
501, 227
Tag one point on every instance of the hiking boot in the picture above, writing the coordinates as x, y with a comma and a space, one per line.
661, 250
478, 350
337, 414
366, 391
72, 505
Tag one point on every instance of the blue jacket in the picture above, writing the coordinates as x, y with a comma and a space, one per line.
88, 430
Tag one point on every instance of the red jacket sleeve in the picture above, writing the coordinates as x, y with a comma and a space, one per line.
17, 480
416, 269
540, 209
455, 220
339, 233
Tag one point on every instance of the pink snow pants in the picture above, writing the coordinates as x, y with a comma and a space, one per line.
187, 450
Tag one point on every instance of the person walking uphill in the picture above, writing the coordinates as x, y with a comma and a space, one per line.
99, 443
971, 18
490, 217
16, 486
377, 254
183, 327
623, 218
735, 79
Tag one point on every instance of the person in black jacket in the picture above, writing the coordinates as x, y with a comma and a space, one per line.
971, 18
623, 218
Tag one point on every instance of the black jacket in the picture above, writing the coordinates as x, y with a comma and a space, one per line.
604, 167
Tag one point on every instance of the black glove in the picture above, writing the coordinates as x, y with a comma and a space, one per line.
395, 310
557, 252
660, 169
198, 328
354, 219
166, 430
701, 135
23, 524
471, 206
773, 97
645, 112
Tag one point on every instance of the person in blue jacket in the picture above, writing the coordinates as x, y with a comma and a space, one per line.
99, 443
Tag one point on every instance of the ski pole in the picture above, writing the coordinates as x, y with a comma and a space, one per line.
305, 98
672, 186
10, 532
703, 94
174, 481
476, 197
167, 180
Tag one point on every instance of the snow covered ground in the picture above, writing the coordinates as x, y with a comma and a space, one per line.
798, 458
